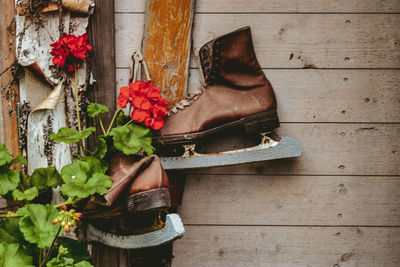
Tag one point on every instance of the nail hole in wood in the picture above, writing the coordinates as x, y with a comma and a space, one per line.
366, 100
343, 112
346, 59
345, 79
341, 167
342, 133
338, 234
348, 21
339, 215
341, 185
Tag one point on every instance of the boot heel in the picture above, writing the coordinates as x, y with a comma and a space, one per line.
263, 122
153, 199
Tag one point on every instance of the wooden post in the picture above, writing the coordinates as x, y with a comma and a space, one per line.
9, 92
101, 35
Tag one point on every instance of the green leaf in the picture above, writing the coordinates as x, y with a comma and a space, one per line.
28, 194
101, 150
67, 262
19, 159
8, 180
55, 262
95, 109
5, 155
43, 178
96, 165
9, 231
68, 135
132, 138
36, 225
63, 262
83, 264
85, 177
77, 249
13, 255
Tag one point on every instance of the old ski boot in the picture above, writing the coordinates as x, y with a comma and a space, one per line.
136, 204
235, 96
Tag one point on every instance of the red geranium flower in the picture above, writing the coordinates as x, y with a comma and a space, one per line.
70, 50
149, 107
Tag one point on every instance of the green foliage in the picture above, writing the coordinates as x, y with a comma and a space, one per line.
67, 262
13, 255
42, 178
122, 119
132, 138
69, 136
8, 180
28, 194
95, 109
5, 155
101, 150
85, 177
19, 159
76, 249
36, 224
9, 231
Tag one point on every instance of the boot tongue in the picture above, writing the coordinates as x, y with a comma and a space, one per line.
206, 55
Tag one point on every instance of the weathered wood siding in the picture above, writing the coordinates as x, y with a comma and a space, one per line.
335, 68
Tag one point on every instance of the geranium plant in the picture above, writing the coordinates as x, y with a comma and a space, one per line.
31, 231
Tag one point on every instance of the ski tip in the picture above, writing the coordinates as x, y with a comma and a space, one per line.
172, 230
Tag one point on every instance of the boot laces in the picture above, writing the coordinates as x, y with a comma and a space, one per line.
190, 97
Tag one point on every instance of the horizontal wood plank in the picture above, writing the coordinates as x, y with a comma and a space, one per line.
290, 40
257, 6
328, 149
322, 95
287, 246
291, 200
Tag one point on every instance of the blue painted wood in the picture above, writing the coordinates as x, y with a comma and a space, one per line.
286, 148
172, 230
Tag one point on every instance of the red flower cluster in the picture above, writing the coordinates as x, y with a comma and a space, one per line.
148, 105
70, 50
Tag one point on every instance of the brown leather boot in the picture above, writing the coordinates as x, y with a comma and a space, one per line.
137, 186
236, 93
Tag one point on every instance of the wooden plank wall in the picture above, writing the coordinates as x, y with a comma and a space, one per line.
335, 68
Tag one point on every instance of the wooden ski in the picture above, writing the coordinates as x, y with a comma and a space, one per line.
167, 41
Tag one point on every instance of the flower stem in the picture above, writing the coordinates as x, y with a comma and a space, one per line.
51, 248
77, 98
69, 201
112, 122
129, 122
40, 256
9, 214
102, 127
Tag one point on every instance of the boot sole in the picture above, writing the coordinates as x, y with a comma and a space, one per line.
258, 123
154, 199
